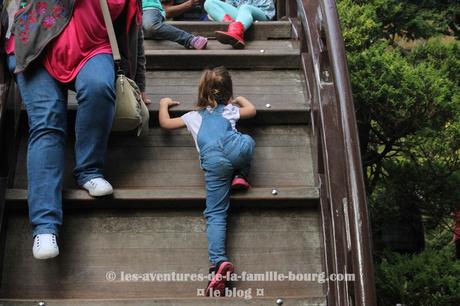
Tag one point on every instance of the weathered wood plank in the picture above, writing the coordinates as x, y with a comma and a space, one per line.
294, 301
269, 54
214, 47
180, 194
282, 159
160, 241
282, 90
260, 30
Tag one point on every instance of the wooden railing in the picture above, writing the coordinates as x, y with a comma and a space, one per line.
4, 90
345, 224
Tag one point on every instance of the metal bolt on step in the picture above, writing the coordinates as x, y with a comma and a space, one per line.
279, 302
275, 192
268, 105
262, 51
41, 304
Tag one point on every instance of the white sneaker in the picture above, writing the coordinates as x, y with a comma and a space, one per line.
98, 187
45, 246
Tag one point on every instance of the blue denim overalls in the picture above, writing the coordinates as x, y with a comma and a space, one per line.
223, 152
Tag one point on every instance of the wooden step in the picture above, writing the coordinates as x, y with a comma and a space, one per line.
261, 54
282, 160
282, 90
298, 301
260, 30
176, 197
145, 242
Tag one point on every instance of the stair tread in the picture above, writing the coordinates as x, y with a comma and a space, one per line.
164, 47
264, 54
283, 90
260, 30
291, 301
282, 158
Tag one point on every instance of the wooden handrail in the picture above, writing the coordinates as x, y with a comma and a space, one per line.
346, 230
358, 213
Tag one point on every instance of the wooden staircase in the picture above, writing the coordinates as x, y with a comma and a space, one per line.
154, 221
305, 215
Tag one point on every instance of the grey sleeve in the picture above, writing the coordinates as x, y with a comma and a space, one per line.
140, 69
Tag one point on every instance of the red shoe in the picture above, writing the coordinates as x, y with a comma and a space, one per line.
228, 18
234, 35
216, 286
240, 183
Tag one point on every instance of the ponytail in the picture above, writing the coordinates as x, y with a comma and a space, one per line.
215, 87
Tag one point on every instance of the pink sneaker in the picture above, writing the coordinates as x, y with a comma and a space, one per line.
219, 280
240, 183
198, 43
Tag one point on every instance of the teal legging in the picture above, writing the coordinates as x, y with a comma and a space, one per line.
245, 13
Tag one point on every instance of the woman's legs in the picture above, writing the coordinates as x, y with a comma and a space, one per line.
248, 13
45, 101
218, 9
95, 87
244, 19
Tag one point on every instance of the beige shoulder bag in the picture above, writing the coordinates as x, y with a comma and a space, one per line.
130, 111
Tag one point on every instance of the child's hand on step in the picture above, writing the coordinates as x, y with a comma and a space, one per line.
168, 102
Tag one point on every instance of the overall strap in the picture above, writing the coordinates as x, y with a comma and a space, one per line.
218, 110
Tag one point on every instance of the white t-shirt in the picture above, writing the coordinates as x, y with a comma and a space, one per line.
193, 119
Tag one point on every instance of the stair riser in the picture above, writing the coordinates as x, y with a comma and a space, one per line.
20, 205
231, 61
263, 117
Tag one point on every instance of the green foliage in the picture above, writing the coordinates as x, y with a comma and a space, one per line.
441, 55
419, 187
415, 18
405, 18
360, 27
404, 63
426, 279
395, 100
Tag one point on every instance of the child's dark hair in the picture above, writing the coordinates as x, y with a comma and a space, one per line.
216, 87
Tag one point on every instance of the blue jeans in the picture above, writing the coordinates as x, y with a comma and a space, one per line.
154, 26
45, 100
220, 162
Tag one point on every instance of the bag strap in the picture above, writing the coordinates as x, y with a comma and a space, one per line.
109, 25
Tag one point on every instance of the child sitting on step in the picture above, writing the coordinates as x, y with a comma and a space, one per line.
154, 25
225, 157
241, 14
